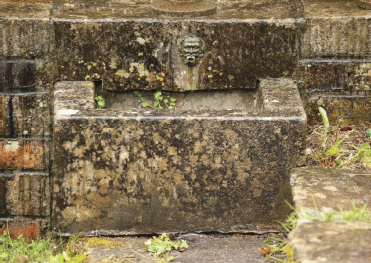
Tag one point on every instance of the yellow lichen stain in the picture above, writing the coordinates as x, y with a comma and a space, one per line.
113, 64
94, 64
102, 242
140, 54
172, 151
156, 137
87, 77
122, 73
141, 40
89, 67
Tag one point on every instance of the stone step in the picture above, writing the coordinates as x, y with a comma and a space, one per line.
202, 248
322, 191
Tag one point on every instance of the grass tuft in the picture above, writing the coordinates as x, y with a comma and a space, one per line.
37, 251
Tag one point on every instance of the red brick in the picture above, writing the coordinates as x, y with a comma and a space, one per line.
30, 229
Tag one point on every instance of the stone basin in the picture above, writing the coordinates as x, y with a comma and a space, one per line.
219, 162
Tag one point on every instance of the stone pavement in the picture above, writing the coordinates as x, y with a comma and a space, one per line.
202, 248
322, 191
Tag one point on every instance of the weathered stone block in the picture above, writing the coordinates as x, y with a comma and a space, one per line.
144, 54
2, 116
321, 191
332, 75
24, 115
355, 109
330, 188
29, 228
332, 242
24, 154
26, 194
25, 30
27, 75
333, 29
145, 171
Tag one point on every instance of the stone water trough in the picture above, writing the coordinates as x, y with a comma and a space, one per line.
219, 161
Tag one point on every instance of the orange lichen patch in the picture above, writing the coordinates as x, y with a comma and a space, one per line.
30, 230
22, 154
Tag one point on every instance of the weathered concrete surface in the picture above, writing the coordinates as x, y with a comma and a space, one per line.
330, 188
25, 194
331, 241
202, 248
142, 171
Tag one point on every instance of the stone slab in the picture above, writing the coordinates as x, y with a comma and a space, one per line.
143, 54
25, 194
336, 29
331, 75
202, 248
26, 30
331, 241
330, 188
24, 115
142, 171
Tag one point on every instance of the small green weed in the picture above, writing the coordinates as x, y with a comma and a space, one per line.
368, 133
100, 102
330, 151
159, 246
279, 249
39, 251
159, 101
